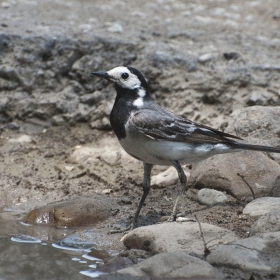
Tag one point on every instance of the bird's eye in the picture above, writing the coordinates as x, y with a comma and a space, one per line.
124, 76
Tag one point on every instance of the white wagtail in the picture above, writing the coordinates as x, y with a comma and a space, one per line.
154, 135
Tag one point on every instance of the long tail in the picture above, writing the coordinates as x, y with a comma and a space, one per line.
249, 147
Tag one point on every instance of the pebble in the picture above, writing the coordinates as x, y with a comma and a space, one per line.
115, 28
21, 139
205, 57
210, 197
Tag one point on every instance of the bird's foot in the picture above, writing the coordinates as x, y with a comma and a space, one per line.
172, 218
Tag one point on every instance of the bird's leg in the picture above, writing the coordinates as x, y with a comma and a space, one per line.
183, 181
146, 189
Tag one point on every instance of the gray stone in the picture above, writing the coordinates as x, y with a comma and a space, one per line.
254, 254
262, 206
220, 172
177, 237
263, 98
210, 197
269, 222
172, 266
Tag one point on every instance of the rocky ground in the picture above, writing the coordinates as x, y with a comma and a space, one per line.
215, 62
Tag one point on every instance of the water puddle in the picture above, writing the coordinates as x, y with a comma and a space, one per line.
35, 252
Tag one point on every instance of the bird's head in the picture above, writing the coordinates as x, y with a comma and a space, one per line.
126, 78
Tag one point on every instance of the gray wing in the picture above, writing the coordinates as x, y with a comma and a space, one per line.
164, 125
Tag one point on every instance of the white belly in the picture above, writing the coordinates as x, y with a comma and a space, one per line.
161, 152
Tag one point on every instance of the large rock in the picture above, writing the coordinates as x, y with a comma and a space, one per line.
262, 206
76, 212
220, 172
172, 266
254, 254
269, 222
177, 237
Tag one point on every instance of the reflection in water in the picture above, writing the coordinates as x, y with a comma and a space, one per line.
24, 256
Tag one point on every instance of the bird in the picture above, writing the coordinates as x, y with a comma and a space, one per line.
156, 136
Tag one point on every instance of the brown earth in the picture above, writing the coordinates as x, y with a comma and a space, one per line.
36, 174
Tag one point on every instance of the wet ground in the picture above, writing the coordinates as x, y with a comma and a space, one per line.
25, 257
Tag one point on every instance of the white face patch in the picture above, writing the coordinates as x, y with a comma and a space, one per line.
132, 82
138, 102
141, 92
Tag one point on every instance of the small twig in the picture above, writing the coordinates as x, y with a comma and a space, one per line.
79, 175
206, 249
244, 180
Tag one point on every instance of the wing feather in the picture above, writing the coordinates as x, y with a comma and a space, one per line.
164, 125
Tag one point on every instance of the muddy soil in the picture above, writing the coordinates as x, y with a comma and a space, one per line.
36, 174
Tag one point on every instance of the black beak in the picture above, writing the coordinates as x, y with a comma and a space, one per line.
103, 75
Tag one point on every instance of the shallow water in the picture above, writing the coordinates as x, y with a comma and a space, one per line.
23, 254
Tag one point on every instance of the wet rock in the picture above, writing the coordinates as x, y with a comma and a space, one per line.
168, 177
254, 254
76, 212
94, 239
75, 242
177, 237
262, 206
269, 222
172, 266
210, 197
